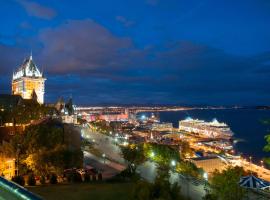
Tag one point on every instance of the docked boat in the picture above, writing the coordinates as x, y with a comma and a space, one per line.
213, 129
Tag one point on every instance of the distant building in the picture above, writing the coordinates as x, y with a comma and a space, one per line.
114, 117
109, 117
67, 111
28, 81
162, 127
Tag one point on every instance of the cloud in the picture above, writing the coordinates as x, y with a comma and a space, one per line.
85, 59
81, 45
125, 21
37, 10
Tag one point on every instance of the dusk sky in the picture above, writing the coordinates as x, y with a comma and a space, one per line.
180, 52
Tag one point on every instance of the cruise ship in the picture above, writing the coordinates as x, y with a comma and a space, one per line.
213, 129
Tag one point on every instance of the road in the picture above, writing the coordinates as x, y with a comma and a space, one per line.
107, 145
261, 171
108, 168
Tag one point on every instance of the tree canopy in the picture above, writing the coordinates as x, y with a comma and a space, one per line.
162, 154
42, 150
225, 185
134, 155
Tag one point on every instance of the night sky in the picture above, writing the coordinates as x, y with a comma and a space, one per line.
181, 52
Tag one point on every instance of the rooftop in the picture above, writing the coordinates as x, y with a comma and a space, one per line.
27, 69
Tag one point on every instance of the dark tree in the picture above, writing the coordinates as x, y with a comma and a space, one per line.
225, 185
134, 155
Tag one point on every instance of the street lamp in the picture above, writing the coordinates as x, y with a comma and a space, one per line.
262, 163
173, 163
152, 154
18, 152
104, 156
205, 176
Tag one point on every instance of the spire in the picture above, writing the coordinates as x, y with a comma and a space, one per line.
31, 57
42, 72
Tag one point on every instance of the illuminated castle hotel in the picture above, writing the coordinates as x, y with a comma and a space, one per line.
28, 81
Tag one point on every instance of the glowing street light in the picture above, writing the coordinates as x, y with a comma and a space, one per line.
104, 156
262, 163
152, 154
173, 163
205, 176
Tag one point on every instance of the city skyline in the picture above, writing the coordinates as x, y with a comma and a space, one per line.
143, 52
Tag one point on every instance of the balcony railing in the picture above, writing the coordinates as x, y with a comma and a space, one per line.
17, 191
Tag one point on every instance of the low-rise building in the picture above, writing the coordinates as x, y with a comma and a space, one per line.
7, 167
67, 111
162, 127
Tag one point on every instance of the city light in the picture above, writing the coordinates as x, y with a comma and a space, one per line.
173, 163
205, 176
262, 163
125, 143
104, 156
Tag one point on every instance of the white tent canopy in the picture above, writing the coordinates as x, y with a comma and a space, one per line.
254, 182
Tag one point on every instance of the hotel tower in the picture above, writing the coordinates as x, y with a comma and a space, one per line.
28, 81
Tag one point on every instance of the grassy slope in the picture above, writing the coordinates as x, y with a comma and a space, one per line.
97, 191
